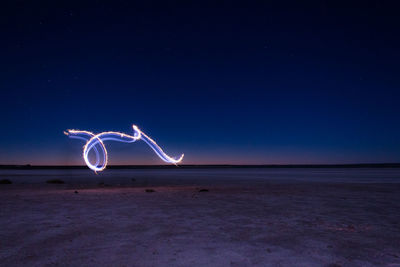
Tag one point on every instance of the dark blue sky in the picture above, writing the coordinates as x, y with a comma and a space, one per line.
222, 83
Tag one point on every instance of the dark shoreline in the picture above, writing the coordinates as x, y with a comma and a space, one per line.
211, 166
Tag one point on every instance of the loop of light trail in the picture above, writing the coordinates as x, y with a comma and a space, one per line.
96, 142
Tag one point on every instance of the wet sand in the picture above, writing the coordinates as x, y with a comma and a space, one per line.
245, 221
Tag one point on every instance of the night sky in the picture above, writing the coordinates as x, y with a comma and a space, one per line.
223, 83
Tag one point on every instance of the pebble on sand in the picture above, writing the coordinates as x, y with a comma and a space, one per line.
150, 190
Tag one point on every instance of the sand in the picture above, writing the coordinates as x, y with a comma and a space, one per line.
243, 220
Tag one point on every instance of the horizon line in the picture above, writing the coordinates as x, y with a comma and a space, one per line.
188, 166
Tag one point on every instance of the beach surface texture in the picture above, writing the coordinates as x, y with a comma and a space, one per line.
221, 217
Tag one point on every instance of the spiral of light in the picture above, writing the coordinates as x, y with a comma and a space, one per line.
95, 142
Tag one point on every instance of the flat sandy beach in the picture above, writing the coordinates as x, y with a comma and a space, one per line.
312, 217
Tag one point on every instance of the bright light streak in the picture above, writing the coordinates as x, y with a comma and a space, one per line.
96, 142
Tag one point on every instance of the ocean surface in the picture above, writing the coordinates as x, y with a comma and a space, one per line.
205, 176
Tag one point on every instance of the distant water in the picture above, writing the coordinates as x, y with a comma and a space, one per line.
205, 176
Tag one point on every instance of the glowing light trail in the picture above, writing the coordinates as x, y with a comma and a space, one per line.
96, 142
